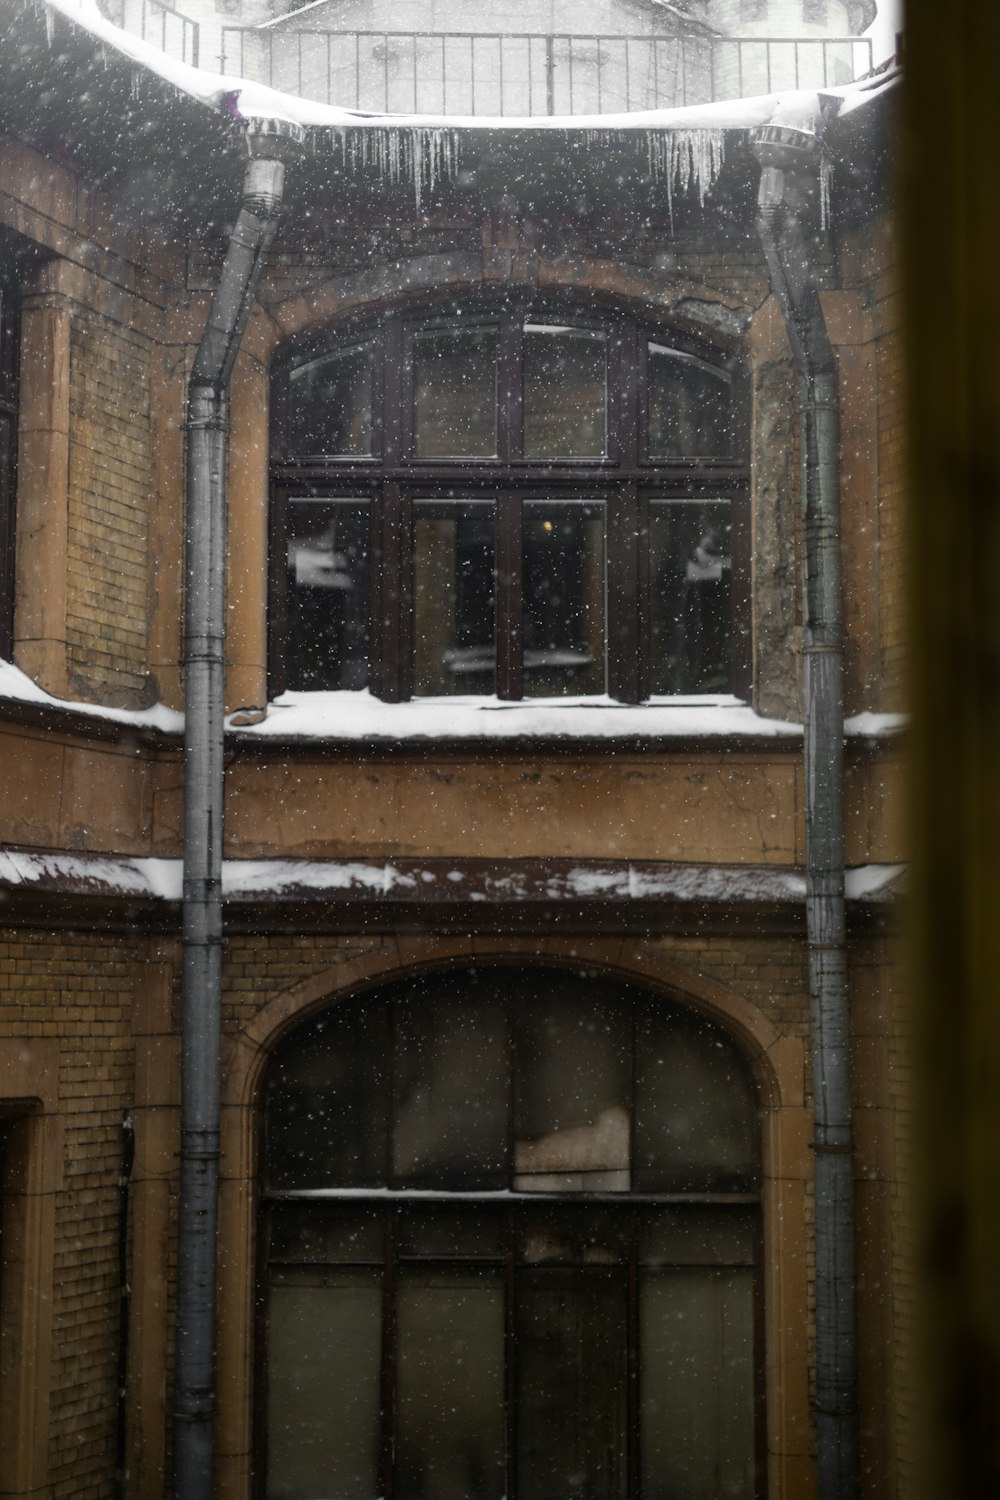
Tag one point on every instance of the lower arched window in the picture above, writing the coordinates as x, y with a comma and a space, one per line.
510, 1220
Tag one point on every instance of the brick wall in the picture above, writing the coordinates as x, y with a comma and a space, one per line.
109, 488
78, 987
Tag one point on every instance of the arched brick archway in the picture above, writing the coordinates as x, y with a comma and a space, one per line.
777, 1062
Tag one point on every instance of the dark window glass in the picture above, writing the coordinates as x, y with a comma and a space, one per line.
331, 403
690, 407
571, 1379
454, 611
694, 1108
572, 1096
815, 12
564, 598
565, 392
690, 585
325, 1111
450, 1439
450, 1076
696, 1377
323, 1362
455, 393
327, 594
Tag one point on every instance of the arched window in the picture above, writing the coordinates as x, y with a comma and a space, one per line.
510, 1220
530, 505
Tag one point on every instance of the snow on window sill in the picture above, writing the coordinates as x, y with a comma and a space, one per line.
360, 716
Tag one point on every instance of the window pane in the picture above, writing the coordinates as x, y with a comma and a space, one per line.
695, 1116
448, 1234
565, 389
455, 393
324, 1234
324, 1109
450, 1385
450, 1105
327, 595
571, 1383
564, 593
690, 407
689, 1236
696, 1352
454, 624
573, 1235
571, 1093
690, 580
330, 404
324, 1352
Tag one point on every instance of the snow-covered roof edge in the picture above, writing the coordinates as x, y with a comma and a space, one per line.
800, 109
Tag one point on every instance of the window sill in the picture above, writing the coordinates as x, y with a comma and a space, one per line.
358, 717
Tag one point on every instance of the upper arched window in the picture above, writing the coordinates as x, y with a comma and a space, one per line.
533, 505
510, 1219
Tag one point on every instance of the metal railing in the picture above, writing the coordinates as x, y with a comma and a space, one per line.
520, 73
156, 22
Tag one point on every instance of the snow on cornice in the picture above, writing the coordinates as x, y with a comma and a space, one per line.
270, 880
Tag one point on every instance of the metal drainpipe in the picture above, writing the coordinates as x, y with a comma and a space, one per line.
204, 686
789, 178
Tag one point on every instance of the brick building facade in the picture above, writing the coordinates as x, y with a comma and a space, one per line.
657, 846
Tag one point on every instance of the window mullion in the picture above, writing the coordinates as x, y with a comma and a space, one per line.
633, 1410
392, 595
388, 1393
277, 652
625, 675
510, 1356
510, 615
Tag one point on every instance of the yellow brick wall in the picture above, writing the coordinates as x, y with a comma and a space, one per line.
78, 988
108, 524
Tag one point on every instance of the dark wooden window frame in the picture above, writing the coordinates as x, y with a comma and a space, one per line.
10, 339
392, 478
390, 1203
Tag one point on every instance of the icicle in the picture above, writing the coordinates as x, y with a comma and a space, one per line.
50, 26
686, 159
825, 179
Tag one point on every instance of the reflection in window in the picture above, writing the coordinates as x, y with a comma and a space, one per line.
454, 615
327, 594
565, 392
331, 402
466, 1256
564, 598
455, 393
690, 407
690, 571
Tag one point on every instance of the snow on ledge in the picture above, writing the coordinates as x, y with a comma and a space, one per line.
360, 716
876, 726
249, 880
17, 687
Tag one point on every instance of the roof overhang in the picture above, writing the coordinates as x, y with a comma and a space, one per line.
167, 141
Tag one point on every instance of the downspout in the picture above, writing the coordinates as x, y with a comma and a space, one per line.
789, 161
204, 686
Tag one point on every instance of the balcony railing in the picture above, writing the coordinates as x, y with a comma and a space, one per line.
517, 73
159, 23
